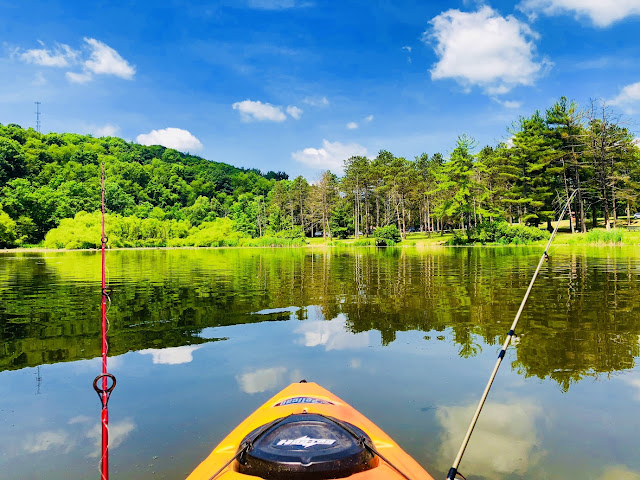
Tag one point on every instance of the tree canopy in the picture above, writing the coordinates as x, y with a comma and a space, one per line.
47, 178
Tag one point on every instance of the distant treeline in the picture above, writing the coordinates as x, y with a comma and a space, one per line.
164, 197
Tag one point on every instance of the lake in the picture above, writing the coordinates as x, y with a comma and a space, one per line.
200, 338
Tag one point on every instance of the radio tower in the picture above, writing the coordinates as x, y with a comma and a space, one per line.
37, 116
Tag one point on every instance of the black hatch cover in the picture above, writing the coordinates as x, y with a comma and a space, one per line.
306, 446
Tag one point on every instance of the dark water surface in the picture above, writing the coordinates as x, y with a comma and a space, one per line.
200, 338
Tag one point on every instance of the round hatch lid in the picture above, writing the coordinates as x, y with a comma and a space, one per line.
306, 446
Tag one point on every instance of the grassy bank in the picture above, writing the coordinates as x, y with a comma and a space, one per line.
594, 237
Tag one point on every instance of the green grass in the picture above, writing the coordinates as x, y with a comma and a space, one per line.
412, 240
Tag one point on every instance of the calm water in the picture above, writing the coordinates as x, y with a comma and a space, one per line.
200, 338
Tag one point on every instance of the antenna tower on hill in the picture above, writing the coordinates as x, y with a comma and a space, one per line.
37, 116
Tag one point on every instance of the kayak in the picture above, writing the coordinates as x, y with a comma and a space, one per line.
307, 433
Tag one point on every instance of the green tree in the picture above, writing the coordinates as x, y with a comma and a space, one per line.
531, 158
458, 182
12, 164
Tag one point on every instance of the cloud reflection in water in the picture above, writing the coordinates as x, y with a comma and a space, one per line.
265, 379
332, 334
504, 441
171, 355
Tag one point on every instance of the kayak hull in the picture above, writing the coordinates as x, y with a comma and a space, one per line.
300, 398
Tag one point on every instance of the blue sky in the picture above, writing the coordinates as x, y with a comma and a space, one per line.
300, 85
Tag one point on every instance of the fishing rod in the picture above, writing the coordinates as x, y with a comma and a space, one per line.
453, 472
104, 391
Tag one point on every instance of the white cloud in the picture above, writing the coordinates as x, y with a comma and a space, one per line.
330, 156
107, 130
276, 4
105, 60
332, 334
294, 111
352, 125
172, 355
61, 56
256, 110
39, 80
316, 102
601, 12
483, 48
79, 419
507, 103
629, 94
176, 138
82, 77
368, 118
408, 49
504, 441
265, 379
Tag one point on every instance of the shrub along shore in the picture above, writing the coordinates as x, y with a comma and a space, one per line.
83, 232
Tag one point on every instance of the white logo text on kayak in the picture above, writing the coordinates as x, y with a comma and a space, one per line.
306, 442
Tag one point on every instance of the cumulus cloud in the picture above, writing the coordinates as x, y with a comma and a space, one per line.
601, 12
484, 49
504, 441
628, 95
277, 4
368, 118
107, 130
172, 355
332, 335
60, 56
330, 156
294, 111
316, 101
82, 77
104, 60
408, 49
39, 80
261, 112
175, 138
352, 125
507, 103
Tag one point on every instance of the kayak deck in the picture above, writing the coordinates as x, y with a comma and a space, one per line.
292, 403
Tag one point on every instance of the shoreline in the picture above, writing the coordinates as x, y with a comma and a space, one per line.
439, 244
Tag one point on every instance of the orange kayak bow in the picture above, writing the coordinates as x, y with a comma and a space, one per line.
307, 433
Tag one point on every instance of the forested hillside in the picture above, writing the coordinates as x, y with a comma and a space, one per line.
45, 178
50, 187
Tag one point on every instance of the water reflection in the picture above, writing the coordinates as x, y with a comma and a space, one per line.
331, 334
633, 380
119, 430
171, 355
81, 434
266, 379
505, 440
619, 473
43, 441
580, 320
